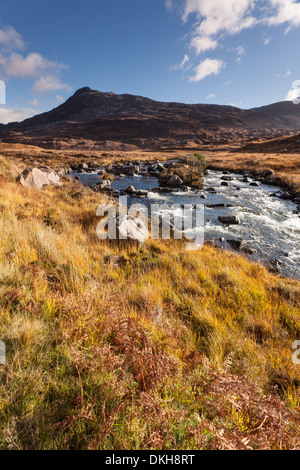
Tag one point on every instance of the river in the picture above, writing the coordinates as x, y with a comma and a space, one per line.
269, 224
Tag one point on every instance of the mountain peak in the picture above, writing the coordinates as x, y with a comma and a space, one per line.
83, 90
104, 119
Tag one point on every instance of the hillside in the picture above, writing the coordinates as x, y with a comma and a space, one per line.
168, 349
283, 144
94, 120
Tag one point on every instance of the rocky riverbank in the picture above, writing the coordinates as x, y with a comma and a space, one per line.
237, 205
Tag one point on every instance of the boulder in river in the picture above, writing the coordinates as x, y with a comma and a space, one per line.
130, 190
105, 185
229, 220
131, 170
185, 189
267, 174
227, 178
237, 245
83, 166
36, 178
285, 196
93, 165
218, 206
158, 167
275, 266
175, 182
249, 251
141, 193
211, 190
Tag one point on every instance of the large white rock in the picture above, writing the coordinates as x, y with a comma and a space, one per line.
132, 228
36, 178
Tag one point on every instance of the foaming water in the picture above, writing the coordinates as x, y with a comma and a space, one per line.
268, 224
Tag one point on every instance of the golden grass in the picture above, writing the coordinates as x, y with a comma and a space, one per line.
171, 350
286, 166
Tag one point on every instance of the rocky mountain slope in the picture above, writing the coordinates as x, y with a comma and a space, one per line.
289, 144
92, 119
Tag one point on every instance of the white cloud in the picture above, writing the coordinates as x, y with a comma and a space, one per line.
241, 50
285, 75
267, 40
10, 39
201, 44
211, 96
181, 66
45, 72
206, 68
169, 5
235, 105
214, 20
286, 11
16, 65
218, 16
12, 115
49, 83
34, 102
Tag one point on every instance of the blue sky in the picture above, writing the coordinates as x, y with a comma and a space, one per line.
240, 52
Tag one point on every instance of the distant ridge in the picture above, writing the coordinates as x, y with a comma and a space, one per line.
92, 119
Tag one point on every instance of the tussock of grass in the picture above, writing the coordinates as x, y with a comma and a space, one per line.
170, 350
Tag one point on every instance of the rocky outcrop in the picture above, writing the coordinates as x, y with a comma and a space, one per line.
36, 178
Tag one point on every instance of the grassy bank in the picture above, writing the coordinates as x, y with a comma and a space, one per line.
170, 350
286, 166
